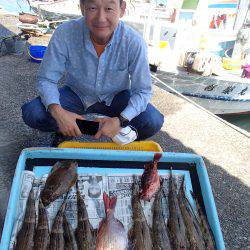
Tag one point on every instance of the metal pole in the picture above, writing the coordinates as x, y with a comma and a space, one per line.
238, 8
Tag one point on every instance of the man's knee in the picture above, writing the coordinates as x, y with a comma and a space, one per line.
34, 114
120, 102
148, 123
154, 123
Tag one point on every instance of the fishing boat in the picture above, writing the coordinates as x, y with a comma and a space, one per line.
219, 95
57, 10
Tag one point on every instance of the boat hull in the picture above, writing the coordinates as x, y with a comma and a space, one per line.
216, 95
59, 10
220, 107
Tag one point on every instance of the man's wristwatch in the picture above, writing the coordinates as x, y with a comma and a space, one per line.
123, 121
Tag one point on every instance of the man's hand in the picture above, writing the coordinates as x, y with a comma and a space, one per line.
110, 127
66, 120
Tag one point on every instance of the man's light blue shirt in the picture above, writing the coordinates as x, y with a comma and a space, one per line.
122, 65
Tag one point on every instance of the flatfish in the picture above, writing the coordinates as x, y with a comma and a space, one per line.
62, 177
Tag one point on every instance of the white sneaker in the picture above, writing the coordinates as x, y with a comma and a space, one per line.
125, 136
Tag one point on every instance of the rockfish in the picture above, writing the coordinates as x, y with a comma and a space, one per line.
111, 232
150, 180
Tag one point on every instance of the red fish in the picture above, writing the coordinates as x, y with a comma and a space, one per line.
111, 232
150, 180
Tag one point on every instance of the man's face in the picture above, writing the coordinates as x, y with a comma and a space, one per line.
102, 17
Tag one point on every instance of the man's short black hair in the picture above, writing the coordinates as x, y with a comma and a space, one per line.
120, 1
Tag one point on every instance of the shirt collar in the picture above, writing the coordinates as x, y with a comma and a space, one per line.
115, 34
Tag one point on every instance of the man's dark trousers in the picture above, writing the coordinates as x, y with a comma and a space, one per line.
147, 123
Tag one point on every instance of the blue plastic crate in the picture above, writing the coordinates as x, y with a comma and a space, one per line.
39, 160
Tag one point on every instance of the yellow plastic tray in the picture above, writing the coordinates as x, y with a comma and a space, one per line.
134, 146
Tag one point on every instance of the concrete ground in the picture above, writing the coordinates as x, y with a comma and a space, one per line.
187, 128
